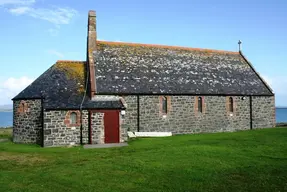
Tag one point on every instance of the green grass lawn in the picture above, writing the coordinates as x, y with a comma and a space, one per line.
243, 161
5, 133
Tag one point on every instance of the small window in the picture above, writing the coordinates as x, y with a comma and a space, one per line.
164, 105
73, 118
200, 101
231, 107
23, 107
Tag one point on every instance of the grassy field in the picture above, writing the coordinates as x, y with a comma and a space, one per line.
243, 161
5, 133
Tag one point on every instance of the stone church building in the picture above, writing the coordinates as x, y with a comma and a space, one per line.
134, 87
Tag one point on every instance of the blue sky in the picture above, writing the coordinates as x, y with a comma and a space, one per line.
36, 33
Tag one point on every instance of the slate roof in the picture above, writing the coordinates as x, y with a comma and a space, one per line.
129, 68
62, 86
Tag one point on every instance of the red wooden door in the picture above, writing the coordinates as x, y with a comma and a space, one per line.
111, 121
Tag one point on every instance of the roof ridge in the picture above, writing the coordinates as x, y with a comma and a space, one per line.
70, 61
165, 46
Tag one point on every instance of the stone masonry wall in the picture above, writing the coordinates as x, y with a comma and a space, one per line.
27, 121
183, 116
57, 132
263, 112
123, 130
98, 130
129, 122
85, 127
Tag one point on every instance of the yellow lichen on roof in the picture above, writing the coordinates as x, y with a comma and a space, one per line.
74, 70
164, 47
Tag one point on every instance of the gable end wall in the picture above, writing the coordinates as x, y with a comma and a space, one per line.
27, 122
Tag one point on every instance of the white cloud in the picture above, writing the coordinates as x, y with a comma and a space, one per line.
20, 10
55, 52
16, 2
56, 15
14, 84
11, 87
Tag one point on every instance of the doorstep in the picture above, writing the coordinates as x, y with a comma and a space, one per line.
106, 145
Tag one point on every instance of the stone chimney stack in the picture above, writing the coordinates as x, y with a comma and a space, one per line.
91, 47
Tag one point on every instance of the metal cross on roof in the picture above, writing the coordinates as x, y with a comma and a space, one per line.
239, 43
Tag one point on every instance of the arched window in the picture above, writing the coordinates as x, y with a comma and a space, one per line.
164, 105
23, 107
231, 107
200, 101
73, 118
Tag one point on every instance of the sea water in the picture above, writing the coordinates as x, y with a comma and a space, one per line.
6, 119
281, 115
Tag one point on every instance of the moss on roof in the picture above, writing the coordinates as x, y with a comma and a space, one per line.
167, 47
62, 87
132, 68
74, 70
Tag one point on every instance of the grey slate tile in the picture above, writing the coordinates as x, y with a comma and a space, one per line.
146, 69
61, 86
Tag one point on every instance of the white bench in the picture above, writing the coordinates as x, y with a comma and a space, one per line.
149, 134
